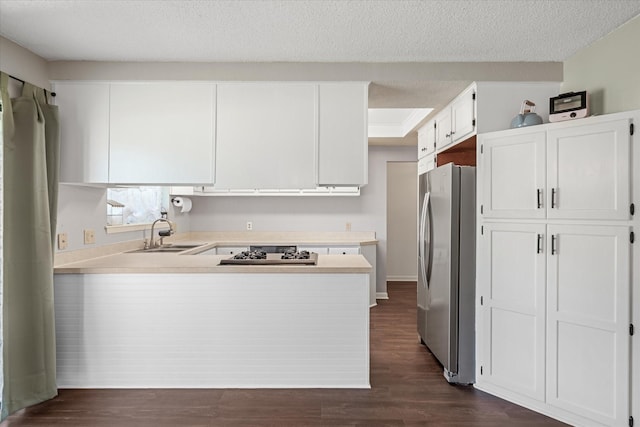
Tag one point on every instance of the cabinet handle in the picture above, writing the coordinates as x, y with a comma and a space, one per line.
553, 244
539, 243
539, 198
447, 135
553, 198
452, 132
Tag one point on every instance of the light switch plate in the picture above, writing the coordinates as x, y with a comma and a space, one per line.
89, 237
62, 241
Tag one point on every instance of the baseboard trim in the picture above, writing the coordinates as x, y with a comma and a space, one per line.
382, 295
536, 406
402, 278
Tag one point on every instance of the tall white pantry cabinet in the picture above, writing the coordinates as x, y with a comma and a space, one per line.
557, 268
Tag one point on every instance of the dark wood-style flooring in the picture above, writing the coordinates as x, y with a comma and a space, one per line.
407, 389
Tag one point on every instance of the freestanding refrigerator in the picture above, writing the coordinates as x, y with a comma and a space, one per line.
446, 269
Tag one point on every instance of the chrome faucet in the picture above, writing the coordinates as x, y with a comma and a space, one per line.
152, 244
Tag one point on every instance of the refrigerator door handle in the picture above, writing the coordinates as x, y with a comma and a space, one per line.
428, 240
421, 246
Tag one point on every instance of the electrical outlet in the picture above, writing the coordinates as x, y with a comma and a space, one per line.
62, 241
347, 226
89, 237
249, 225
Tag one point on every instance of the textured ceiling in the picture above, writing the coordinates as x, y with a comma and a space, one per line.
310, 30
410, 50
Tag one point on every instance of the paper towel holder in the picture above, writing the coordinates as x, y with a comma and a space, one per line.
182, 202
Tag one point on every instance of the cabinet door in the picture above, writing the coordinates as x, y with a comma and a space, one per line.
181, 191
427, 139
512, 170
589, 175
427, 163
230, 250
317, 249
266, 136
162, 133
588, 321
345, 250
463, 116
443, 129
342, 125
84, 132
511, 273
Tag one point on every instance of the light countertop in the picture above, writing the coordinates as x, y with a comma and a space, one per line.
118, 259
177, 263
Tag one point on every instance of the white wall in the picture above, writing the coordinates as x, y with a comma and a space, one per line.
81, 208
609, 70
394, 85
368, 212
23, 64
402, 221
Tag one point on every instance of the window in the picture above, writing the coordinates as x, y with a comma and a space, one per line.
135, 205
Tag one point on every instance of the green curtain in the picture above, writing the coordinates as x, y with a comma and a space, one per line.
31, 164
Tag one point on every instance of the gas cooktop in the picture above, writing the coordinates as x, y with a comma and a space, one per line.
272, 255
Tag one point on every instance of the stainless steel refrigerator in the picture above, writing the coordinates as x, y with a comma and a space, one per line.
446, 269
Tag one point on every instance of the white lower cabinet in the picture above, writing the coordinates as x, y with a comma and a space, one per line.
588, 321
331, 250
345, 250
554, 303
317, 249
230, 250
512, 271
224, 250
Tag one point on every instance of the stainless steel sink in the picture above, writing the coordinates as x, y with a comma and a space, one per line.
164, 249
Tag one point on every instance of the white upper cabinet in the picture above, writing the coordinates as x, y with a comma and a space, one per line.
443, 129
343, 144
84, 132
570, 171
427, 139
426, 163
266, 136
463, 115
588, 171
162, 133
457, 121
487, 107
513, 175
237, 136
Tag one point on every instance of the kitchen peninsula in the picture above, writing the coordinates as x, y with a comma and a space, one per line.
180, 320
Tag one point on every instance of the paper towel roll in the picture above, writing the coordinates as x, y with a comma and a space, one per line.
182, 202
